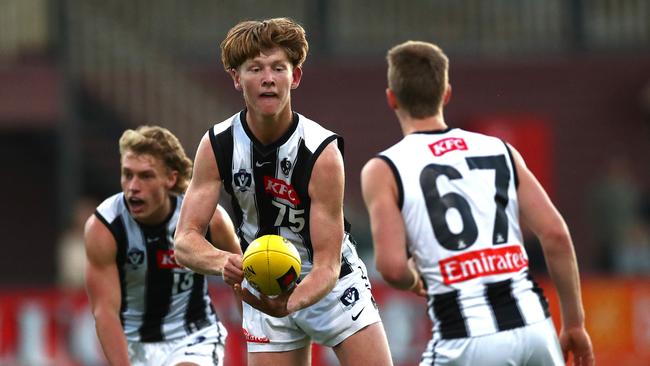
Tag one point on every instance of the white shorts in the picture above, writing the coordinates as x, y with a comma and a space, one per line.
347, 309
204, 347
535, 344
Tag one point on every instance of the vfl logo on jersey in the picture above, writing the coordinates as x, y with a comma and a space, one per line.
242, 180
444, 146
281, 189
285, 165
481, 263
135, 257
350, 296
166, 259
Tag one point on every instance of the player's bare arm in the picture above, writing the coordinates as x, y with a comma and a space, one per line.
541, 216
103, 287
190, 246
222, 232
326, 188
387, 225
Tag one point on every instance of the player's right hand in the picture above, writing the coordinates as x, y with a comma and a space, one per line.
577, 342
275, 306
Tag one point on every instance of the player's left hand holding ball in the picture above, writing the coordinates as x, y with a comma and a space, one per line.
232, 271
275, 306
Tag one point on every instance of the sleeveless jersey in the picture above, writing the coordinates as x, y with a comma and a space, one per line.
269, 184
458, 198
161, 300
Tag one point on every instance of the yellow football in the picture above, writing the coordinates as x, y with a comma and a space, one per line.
271, 264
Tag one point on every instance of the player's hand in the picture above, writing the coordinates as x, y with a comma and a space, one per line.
274, 306
576, 341
419, 288
232, 270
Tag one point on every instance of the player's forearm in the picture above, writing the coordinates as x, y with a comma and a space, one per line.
563, 269
403, 278
318, 283
194, 252
112, 340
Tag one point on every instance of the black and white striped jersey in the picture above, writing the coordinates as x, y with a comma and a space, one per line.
458, 198
269, 184
160, 299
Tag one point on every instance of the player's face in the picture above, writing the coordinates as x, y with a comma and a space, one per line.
266, 82
146, 183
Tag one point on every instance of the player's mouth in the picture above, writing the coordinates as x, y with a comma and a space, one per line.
136, 204
268, 95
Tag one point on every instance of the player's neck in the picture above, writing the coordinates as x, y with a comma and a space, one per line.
269, 128
411, 125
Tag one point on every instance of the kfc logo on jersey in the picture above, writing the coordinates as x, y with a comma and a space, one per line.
444, 146
281, 189
166, 259
481, 263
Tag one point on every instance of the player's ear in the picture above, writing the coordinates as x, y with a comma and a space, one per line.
391, 99
297, 76
234, 74
172, 178
446, 97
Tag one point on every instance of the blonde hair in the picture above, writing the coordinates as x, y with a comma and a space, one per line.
160, 143
249, 38
418, 76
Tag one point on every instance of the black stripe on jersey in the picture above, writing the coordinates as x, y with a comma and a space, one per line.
300, 180
319, 150
398, 180
264, 164
503, 304
222, 146
119, 233
446, 308
540, 294
512, 163
195, 315
158, 285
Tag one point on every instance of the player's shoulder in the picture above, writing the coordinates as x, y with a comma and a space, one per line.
221, 126
99, 240
474, 135
314, 134
470, 142
312, 127
111, 207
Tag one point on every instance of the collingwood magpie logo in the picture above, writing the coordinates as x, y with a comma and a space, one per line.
242, 180
285, 165
135, 257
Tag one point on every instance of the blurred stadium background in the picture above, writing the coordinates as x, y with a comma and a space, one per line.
567, 82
